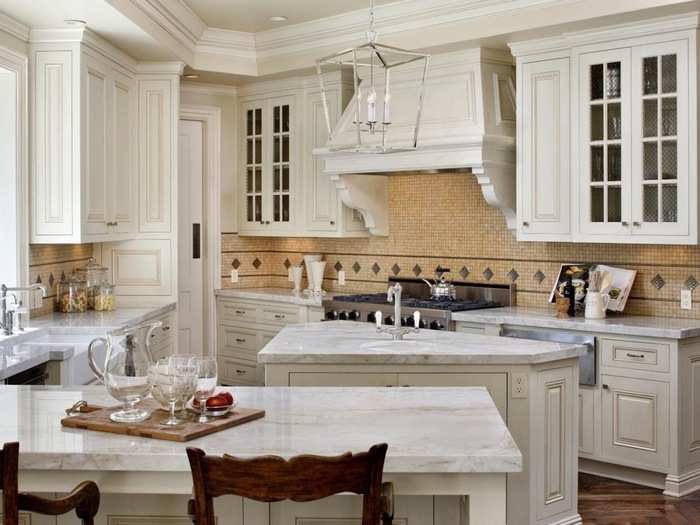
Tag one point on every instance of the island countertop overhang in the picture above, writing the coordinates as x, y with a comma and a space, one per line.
347, 342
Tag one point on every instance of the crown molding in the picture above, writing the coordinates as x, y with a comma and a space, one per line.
14, 27
669, 24
205, 88
160, 68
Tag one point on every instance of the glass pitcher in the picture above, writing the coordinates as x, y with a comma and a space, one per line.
125, 371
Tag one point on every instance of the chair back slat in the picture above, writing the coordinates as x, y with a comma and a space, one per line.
9, 464
302, 478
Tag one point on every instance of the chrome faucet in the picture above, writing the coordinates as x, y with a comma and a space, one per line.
397, 331
6, 318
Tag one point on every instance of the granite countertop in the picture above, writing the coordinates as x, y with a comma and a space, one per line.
459, 430
634, 325
54, 337
348, 342
280, 295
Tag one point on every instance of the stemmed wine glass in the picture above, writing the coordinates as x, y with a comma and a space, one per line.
206, 384
171, 380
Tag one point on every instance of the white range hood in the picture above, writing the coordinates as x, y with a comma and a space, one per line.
468, 124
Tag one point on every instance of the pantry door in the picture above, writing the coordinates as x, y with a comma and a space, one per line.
191, 235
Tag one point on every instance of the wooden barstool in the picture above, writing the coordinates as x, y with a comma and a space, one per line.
85, 498
302, 478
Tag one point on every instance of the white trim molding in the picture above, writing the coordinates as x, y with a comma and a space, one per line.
210, 117
205, 88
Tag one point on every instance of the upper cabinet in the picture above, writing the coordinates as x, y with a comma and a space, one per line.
83, 171
605, 120
282, 187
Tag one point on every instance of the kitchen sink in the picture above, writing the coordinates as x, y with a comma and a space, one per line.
399, 346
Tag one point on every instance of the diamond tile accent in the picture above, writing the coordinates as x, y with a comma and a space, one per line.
658, 282
513, 275
691, 283
236, 264
356, 267
338, 266
539, 276
464, 272
287, 264
38, 279
488, 274
63, 276
52, 280
417, 270
376, 268
396, 269
257, 263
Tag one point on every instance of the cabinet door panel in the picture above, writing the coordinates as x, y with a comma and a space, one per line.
254, 126
496, 384
660, 128
96, 119
54, 184
605, 143
544, 197
321, 195
124, 158
587, 420
635, 422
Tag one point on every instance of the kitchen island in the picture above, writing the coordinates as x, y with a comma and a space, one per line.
533, 383
442, 441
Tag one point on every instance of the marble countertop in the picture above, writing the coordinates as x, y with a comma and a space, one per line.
278, 295
635, 325
348, 342
53, 337
428, 430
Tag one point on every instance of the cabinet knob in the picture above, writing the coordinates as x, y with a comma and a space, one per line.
636, 224
267, 222
332, 223
526, 224
606, 387
166, 328
625, 223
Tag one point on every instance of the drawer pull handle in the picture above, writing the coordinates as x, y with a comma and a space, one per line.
240, 372
240, 312
166, 328
638, 356
280, 316
239, 340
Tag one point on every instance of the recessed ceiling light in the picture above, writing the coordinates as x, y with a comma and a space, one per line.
278, 19
191, 76
75, 22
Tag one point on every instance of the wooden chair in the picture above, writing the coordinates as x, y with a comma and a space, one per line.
302, 478
85, 498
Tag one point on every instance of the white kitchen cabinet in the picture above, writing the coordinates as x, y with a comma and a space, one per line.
82, 168
284, 191
625, 140
544, 193
269, 166
635, 421
587, 424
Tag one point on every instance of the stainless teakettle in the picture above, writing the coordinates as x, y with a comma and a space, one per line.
441, 289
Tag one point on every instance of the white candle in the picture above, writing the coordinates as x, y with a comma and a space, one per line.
378, 318
416, 319
372, 106
387, 113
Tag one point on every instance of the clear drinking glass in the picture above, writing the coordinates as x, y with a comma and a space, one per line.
206, 384
172, 379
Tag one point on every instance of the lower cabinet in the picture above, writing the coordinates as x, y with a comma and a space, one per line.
163, 340
635, 422
341, 379
587, 426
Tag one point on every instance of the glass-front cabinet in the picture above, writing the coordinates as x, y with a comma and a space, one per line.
268, 166
633, 143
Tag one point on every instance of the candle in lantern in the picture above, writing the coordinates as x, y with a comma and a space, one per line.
372, 106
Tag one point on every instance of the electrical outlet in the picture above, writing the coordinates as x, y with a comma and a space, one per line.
518, 385
686, 299
234, 276
341, 278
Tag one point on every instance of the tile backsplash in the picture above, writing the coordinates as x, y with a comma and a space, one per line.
444, 220
49, 262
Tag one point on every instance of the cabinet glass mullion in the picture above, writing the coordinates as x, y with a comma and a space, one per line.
281, 145
254, 164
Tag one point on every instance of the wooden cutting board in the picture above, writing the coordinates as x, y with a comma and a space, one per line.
97, 418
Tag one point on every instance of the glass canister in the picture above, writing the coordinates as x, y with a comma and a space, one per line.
104, 299
94, 275
72, 296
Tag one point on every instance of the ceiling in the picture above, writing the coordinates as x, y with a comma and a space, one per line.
253, 15
101, 17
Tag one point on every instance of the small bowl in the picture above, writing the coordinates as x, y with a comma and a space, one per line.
211, 412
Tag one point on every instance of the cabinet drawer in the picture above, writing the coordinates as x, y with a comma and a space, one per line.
232, 337
279, 315
232, 372
638, 355
341, 379
233, 311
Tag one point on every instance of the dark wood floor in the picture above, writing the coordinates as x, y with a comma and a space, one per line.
608, 502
